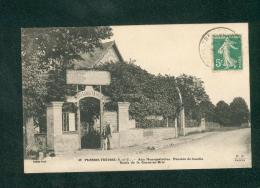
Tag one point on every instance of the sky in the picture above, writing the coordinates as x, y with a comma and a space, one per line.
174, 50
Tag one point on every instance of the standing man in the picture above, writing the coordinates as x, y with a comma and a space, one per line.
109, 135
104, 139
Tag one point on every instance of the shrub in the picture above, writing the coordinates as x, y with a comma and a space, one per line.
32, 152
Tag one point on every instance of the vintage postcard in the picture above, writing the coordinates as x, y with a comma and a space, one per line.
139, 97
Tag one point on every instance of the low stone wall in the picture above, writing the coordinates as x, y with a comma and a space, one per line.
191, 123
200, 127
114, 140
66, 142
246, 124
189, 130
212, 126
133, 137
158, 134
130, 137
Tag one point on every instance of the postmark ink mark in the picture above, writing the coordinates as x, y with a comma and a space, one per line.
206, 44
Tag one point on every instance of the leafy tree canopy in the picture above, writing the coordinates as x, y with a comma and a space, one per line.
222, 111
46, 54
206, 109
150, 94
194, 96
234, 114
239, 111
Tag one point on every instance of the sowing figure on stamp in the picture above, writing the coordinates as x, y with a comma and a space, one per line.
225, 51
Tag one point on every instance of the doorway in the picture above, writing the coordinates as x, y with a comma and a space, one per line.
90, 123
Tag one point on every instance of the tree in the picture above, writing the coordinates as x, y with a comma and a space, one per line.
239, 111
147, 93
153, 95
46, 54
193, 94
222, 112
206, 109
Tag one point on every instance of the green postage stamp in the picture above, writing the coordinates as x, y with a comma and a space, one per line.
227, 52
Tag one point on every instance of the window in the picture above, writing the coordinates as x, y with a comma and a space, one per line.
68, 122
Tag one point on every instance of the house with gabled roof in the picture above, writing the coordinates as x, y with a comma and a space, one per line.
107, 53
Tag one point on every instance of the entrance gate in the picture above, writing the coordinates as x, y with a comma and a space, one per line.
88, 93
89, 79
90, 122
64, 128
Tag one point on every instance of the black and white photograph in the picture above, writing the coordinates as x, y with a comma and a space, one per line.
136, 97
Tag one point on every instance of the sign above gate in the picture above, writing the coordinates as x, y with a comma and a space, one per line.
86, 77
88, 92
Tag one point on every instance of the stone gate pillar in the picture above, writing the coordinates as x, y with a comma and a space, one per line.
182, 122
78, 123
176, 127
123, 116
101, 119
202, 124
54, 123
